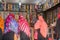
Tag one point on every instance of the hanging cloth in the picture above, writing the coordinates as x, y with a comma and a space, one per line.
11, 24
24, 26
2, 23
41, 24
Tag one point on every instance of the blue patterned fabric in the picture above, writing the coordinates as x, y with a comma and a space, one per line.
13, 26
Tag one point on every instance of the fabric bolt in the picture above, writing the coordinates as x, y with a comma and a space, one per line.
2, 23
41, 24
23, 25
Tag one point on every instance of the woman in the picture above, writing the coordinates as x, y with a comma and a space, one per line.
41, 29
11, 28
24, 28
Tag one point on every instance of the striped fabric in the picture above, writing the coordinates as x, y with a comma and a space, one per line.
24, 26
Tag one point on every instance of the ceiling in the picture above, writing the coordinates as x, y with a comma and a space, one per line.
25, 1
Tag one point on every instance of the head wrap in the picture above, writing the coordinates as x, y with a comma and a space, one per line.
23, 25
11, 24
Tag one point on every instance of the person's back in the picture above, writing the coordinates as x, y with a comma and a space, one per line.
8, 36
23, 36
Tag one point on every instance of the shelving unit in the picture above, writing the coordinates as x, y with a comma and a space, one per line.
50, 12
26, 9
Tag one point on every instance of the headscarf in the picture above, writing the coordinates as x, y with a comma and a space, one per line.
42, 25
23, 25
11, 24
2, 23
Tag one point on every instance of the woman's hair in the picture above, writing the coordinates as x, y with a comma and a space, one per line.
8, 36
38, 14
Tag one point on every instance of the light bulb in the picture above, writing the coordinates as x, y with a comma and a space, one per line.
19, 3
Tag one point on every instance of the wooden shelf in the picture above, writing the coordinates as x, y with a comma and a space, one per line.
54, 7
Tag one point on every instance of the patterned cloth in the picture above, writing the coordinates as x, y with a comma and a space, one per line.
23, 25
11, 24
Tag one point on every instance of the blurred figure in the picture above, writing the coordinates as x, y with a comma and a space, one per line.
11, 28
58, 24
24, 28
8, 36
41, 29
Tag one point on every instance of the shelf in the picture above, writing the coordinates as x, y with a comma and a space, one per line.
57, 5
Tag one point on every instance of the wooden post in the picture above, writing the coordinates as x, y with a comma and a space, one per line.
32, 33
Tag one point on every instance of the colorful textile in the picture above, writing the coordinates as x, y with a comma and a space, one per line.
11, 24
41, 24
2, 23
23, 25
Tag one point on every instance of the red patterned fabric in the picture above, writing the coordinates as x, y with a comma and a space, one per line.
7, 21
23, 25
